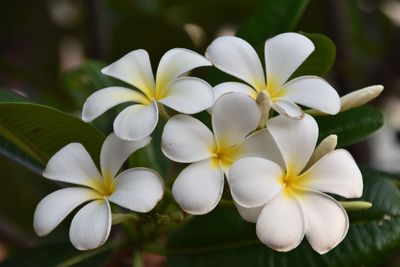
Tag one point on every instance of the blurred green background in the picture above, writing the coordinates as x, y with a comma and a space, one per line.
45, 47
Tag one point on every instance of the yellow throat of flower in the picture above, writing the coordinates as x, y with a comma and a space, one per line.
105, 187
224, 157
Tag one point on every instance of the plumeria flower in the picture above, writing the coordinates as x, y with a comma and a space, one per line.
288, 197
137, 189
198, 188
284, 53
184, 94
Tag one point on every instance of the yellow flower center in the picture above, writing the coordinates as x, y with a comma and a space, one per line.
104, 187
274, 90
292, 183
224, 157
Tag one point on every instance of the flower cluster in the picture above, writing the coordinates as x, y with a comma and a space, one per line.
277, 175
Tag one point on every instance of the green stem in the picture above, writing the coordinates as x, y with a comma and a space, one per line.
137, 259
163, 113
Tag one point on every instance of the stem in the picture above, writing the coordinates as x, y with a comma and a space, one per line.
137, 259
163, 113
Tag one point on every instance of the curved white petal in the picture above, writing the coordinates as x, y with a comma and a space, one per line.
135, 69
296, 140
136, 122
254, 181
115, 151
138, 189
238, 58
53, 209
176, 62
186, 139
288, 109
327, 222
91, 226
313, 92
232, 87
104, 99
234, 116
280, 225
335, 173
188, 95
198, 188
249, 214
72, 164
260, 144
284, 53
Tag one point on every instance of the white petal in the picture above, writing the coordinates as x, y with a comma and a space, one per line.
53, 209
313, 92
326, 221
104, 99
280, 225
249, 214
296, 140
260, 144
288, 109
232, 87
284, 53
186, 139
138, 189
254, 181
198, 188
115, 151
335, 173
188, 95
176, 62
136, 122
324, 147
234, 116
72, 164
91, 226
238, 58
135, 69
360, 97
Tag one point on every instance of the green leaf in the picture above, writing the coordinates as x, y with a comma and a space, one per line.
222, 238
58, 255
87, 79
321, 60
351, 126
31, 133
271, 18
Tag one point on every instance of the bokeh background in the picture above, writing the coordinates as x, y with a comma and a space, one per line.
44, 43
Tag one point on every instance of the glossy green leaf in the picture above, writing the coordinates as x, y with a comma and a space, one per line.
351, 126
321, 60
31, 133
58, 255
85, 80
222, 238
271, 18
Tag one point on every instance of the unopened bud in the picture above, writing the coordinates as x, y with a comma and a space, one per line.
327, 145
354, 99
263, 101
360, 97
355, 205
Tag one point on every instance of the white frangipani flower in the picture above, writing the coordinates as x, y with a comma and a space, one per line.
184, 94
284, 53
288, 199
137, 189
198, 188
